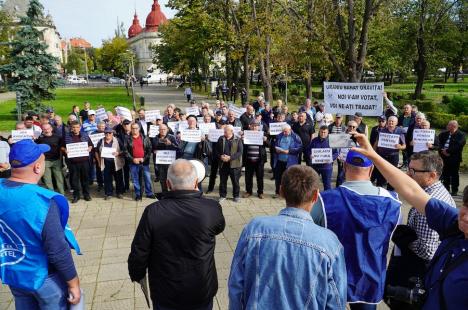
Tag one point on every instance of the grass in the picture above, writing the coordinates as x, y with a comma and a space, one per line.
66, 98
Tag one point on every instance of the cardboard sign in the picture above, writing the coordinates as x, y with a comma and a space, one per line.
79, 149
153, 131
214, 134
423, 136
107, 152
95, 138
101, 115
276, 128
253, 137
165, 157
18, 135
124, 113
150, 115
190, 135
349, 98
237, 111
192, 111
388, 140
340, 140
205, 127
322, 156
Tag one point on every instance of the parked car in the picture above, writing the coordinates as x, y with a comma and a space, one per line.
76, 80
116, 80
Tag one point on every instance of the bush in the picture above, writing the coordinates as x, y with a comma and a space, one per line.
295, 92
445, 99
276, 96
426, 105
317, 95
440, 120
458, 105
255, 92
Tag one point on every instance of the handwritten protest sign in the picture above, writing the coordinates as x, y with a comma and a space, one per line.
101, 115
95, 138
322, 156
237, 131
388, 140
214, 134
253, 137
165, 157
124, 113
205, 127
18, 135
343, 153
190, 135
153, 131
423, 136
173, 126
349, 98
237, 111
108, 152
339, 140
150, 115
182, 125
276, 128
192, 111
79, 149
419, 147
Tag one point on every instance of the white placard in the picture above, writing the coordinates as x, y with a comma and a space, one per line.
419, 147
95, 138
150, 115
107, 152
192, 111
214, 134
173, 126
237, 111
236, 131
205, 127
343, 153
4, 152
18, 135
276, 128
153, 131
79, 149
200, 119
349, 98
165, 157
253, 137
322, 156
423, 136
101, 114
388, 140
190, 135
124, 113
182, 125
339, 140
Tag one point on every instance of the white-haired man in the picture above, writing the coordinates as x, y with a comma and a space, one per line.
175, 240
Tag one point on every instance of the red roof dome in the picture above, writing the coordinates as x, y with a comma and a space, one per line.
135, 28
155, 18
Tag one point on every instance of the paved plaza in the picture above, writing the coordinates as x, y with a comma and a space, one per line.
105, 230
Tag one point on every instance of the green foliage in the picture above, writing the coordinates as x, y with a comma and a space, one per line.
114, 55
440, 120
32, 70
458, 105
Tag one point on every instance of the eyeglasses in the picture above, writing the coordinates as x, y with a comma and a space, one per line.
413, 171
351, 126
136, 128
108, 133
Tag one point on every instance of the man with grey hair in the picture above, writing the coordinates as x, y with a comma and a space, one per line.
175, 240
419, 118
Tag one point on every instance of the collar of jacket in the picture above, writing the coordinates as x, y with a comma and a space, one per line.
296, 212
182, 194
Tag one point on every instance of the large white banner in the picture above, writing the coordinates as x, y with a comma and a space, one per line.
150, 115
18, 135
190, 135
423, 136
276, 128
349, 98
165, 157
322, 156
95, 138
388, 140
79, 149
253, 137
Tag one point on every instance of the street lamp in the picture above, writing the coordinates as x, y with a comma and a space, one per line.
131, 72
86, 63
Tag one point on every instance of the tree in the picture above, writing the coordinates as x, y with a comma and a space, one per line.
32, 70
114, 56
6, 31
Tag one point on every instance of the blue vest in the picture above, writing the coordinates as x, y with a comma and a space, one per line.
23, 211
363, 224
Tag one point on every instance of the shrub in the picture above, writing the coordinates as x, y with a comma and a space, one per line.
458, 105
426, 105
445, 99
295, 92
317, 95
255, 92
440, 120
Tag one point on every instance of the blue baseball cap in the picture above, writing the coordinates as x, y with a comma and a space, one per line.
26, 152
357, 159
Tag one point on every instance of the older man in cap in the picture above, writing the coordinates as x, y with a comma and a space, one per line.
35, 240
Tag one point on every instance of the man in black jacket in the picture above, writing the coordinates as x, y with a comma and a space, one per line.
451, 144
175, 241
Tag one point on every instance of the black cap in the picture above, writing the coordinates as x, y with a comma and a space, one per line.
382, 118
358, 114
219, 113
126, 122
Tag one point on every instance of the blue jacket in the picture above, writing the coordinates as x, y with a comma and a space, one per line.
294, 150
319, 143
363, 224
287, 262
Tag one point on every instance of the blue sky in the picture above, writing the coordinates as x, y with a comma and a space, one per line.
95, 20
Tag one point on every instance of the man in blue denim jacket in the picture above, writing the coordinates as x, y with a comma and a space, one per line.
286, 261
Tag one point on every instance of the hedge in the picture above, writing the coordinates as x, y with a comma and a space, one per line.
440, 120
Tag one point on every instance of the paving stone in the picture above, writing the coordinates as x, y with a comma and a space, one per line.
112, 272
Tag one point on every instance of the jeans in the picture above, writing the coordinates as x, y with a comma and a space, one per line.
79, 174
53, 171
135, 171
234, 173
209, 306
252, 168
280, 168
111, 174
52, 295
326, 174
362, 306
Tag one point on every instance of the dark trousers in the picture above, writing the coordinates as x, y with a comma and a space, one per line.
162, 174
110, 175
99, 175
450, 177
280, 168
213, 174
381, 181
340, 176
79, 174
252, 168
209, 306
303, 157
362, 306
326, 174
126, 176
234, 173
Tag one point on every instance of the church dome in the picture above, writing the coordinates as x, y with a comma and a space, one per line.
135, 28
155, 18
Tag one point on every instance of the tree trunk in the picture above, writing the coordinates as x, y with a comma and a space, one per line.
308, 81
421, 64
247, 75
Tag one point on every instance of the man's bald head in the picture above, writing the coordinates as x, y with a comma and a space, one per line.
182, 175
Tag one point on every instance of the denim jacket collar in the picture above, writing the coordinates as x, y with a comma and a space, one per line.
297, 213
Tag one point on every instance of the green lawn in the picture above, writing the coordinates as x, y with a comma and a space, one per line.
66, 98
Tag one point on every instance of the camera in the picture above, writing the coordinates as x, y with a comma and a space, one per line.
414, 296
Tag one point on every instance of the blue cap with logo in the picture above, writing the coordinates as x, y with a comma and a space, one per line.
357, 159
26, 152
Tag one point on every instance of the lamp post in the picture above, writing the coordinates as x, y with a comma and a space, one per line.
86, 63
131, 71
